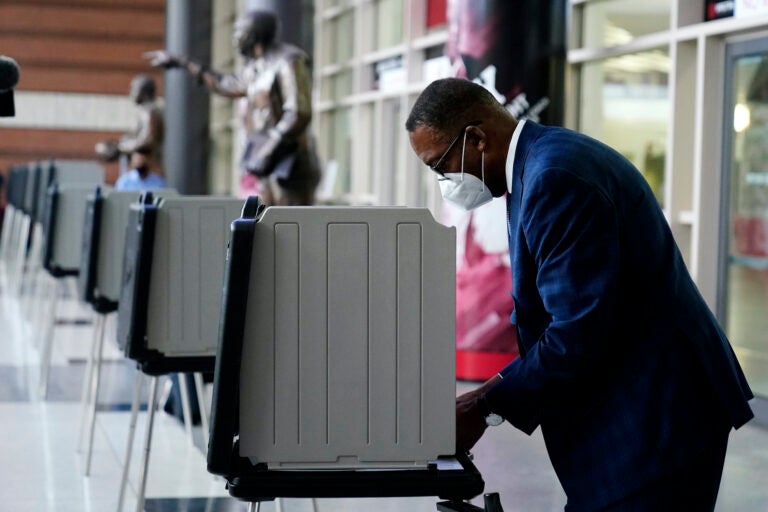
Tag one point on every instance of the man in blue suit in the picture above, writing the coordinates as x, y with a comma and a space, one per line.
624, 367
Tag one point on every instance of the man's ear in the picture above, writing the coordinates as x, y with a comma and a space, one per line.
477, 137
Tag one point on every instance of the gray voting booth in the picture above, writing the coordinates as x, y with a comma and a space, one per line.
101, 262
62, 230
70, 183
170, 299
173, 268
349, 339
99, 278
335, 373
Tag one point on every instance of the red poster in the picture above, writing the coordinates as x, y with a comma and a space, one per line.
436, 13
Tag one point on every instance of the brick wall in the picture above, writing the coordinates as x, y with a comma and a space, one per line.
74, 46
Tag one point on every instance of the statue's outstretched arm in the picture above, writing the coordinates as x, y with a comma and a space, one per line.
230, 85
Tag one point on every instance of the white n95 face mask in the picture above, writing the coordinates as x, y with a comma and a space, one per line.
463, 189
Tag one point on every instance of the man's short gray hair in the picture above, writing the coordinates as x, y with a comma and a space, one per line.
448, 103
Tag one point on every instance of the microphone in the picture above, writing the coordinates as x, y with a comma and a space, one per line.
9, 73
9, 77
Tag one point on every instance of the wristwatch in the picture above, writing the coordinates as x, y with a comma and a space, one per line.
491, 418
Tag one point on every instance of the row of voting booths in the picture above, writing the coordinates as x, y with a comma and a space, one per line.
329, 330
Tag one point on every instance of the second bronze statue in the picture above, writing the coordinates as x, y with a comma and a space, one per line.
275, 106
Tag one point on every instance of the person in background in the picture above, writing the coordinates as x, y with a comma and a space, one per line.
276, 86
140, 177
622, 364
148, 136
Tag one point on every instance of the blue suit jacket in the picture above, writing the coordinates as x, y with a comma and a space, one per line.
623, 365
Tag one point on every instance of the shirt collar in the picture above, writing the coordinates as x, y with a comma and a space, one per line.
511, 153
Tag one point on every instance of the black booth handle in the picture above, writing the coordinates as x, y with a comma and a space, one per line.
491, 502
253, 208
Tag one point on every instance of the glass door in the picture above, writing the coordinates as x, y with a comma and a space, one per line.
743, 304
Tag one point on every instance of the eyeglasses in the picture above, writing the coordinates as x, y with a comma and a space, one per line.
436, 166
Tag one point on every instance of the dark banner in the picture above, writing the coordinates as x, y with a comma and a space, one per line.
516, 48
716, 9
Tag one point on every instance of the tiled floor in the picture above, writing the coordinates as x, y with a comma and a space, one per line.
42, 469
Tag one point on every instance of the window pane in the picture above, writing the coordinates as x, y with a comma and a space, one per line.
366, 162
625, 103
327, 88
609, 23
341, 151
389, 17
747, 302
393, 136
343, 29
342, 85
334, 3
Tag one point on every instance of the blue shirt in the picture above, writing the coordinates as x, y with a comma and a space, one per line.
132, 180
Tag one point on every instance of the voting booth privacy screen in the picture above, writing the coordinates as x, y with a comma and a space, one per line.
348, 339
173, 267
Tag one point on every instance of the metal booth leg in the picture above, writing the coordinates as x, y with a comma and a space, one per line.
13, 241
40, 318
131, 434
21, 257
87, 380
26, 285
95, 394
491, 503
254, 506
6, 233
147, 443
47, 341
203, 407
34, 292
186, 409
33, 271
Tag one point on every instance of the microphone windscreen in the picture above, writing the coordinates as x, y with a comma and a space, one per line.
9, 73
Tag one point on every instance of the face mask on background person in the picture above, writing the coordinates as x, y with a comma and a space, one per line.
465, 190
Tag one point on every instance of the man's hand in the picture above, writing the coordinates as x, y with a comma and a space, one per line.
470, 423
163, 59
